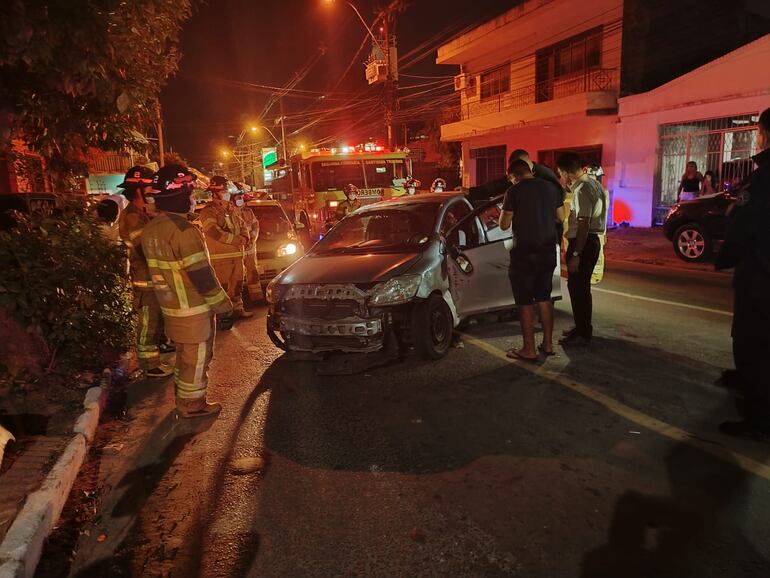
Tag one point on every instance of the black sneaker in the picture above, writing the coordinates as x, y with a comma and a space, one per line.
575, 338
159, 372
744, 429
568, 332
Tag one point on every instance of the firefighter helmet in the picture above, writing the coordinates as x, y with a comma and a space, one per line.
137, 177
172, 180
350, 189
217, 183
438, 185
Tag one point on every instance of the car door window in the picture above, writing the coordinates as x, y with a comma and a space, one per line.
466, 235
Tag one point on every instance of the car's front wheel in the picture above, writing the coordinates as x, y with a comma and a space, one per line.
432, 327
692, 243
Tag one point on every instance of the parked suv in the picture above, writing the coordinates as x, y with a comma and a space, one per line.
697, 227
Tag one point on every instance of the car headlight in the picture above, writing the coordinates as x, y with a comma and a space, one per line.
286, 250
273, 292
397, 290
672, 210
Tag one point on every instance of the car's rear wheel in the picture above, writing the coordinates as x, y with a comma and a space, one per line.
432, 327
692, 243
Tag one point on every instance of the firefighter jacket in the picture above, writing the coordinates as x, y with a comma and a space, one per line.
252, 226
225, 231
346, 207
185, 284
131, 225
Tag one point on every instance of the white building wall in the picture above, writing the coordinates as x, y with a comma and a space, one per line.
736, 84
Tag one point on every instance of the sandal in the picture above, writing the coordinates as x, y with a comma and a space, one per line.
513, 354
545, 352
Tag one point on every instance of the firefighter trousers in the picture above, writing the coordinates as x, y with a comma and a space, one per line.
253, 285
191, 374
230, 273
148, 328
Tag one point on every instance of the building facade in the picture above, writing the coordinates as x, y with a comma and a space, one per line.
708, 116
542, 77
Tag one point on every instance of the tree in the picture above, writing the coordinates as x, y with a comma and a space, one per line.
79, 73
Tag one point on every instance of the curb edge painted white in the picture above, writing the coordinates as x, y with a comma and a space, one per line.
22, 547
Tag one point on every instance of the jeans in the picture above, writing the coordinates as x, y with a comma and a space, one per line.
579, 284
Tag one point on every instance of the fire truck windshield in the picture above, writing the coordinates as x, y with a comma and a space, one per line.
363, 173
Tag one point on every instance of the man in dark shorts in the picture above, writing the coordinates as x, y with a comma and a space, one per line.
534, 208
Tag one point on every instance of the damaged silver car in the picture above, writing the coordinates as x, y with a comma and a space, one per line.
399, 273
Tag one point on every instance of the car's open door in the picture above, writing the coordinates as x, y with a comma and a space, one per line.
478, 267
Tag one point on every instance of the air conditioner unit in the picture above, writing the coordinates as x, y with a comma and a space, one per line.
461, 81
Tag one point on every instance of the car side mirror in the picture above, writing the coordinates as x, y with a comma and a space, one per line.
463, 263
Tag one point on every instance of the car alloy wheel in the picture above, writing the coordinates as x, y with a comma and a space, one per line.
691, 244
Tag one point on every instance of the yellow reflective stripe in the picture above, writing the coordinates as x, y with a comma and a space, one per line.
250, 251
142, 284
194, 258
180, 289
128, 244
221, 256
218, 298
145, 324
186, 312
134, 234
200, 366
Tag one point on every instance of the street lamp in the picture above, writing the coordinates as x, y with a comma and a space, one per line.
361, 18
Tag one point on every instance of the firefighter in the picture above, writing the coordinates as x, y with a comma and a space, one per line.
253, 285
351, 202
135, 185
438, 186
411, 185
186, 287
226, 237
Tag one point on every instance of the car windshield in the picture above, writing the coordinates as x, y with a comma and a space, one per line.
401, 227
271, 219
364, 174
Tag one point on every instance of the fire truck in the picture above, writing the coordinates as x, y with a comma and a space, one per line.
310, 186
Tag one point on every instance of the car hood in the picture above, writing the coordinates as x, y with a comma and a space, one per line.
349, 268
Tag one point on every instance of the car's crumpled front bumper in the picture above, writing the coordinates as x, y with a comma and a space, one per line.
324, 318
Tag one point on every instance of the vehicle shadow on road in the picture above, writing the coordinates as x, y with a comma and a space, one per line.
697, 531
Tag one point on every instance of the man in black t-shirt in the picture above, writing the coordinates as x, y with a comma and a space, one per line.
534, 207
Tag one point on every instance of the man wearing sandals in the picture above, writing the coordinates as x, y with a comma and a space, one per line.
534, 207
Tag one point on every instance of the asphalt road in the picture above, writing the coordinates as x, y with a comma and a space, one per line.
603, 461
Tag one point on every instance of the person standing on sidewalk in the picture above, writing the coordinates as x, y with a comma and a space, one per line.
251, 266
226, 237
135, 185
747, 248
587, 220
533, 207
186, 287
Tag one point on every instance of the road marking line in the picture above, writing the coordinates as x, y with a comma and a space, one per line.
648, 422
663, 301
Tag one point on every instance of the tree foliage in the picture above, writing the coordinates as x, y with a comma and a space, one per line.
77, 73
62, 280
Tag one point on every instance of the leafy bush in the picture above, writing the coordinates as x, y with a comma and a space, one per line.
63, 281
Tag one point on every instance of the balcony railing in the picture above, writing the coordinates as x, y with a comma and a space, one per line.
601, 80
110, 162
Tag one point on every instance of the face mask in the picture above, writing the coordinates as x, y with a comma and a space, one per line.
411, 190
353, 197
239, 203
439, 189
225, 196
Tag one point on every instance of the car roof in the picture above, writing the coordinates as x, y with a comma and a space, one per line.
421, 198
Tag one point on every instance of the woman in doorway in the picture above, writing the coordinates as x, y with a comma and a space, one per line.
690, 185
709, 186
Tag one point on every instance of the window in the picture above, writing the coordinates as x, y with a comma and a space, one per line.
496, 81
490, 163
467, 235
571, 57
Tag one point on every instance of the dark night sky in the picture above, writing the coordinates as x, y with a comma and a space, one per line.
268, 42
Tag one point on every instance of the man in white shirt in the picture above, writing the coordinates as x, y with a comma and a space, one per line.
587, 221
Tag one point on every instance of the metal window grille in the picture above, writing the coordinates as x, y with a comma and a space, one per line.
721, 145
490, 163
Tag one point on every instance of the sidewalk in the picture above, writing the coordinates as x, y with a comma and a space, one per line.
650, 247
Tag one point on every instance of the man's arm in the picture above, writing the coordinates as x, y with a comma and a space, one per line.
212, 229
506, 218
488, 190
198, 268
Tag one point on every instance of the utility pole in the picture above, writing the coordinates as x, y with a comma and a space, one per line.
389, 82
161, 144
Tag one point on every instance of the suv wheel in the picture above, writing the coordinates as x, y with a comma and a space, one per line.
432, 327
692, 243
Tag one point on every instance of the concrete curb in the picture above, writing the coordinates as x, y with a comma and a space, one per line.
22, 547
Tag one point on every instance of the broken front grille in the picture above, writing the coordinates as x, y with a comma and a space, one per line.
324, 301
